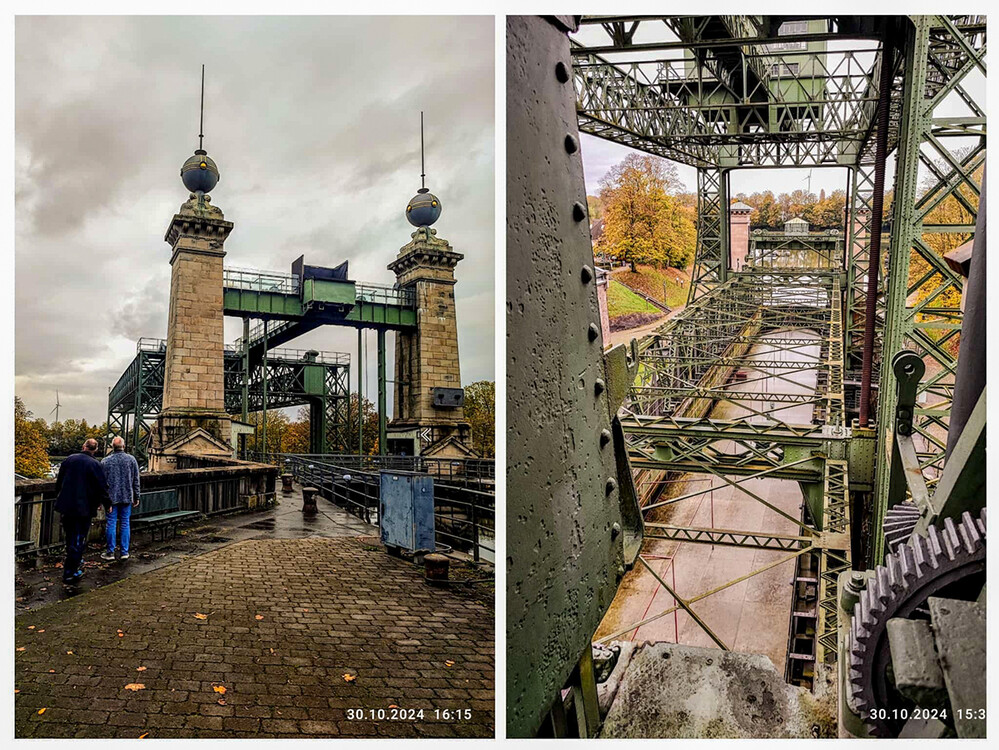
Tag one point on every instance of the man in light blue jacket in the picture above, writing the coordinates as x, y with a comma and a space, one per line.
122, 472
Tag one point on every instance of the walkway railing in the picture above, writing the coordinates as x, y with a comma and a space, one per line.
477, 473
223, 487
261, 281
464, 518
384, 294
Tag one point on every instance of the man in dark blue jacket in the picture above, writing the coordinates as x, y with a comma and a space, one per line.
81, 488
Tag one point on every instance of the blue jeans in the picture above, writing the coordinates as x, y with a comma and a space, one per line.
119, 513
75, 529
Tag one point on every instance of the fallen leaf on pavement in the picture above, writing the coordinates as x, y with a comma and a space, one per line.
51, 671
143, 736
41, 711
70, 653
348, 677
121, 634
42, 630
140, 669
20, 648
392, 705
31, 627
199, 616
219, 689
258, 617
16, 692
133, 686
448, 663
221, 701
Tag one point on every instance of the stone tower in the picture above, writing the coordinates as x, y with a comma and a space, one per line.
193, 419
429, 418
738, 214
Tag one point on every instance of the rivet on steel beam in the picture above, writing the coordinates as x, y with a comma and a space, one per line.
571, 146
593, 331
586, 274
605, 437
578, 211
611, 485
561, 72
615, 530
599, 386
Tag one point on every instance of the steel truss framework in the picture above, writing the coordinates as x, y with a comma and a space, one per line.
794, 252
940, 158
727, 92
747, 383
294, 378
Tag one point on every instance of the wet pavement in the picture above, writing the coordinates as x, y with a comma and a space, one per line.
40, 582
266, 624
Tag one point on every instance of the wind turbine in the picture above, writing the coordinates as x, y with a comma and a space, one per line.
809, 180
56, 409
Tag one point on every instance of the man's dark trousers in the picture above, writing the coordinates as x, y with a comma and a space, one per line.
76, 529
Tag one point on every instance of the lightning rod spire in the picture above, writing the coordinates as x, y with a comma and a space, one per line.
201, 124
423, 167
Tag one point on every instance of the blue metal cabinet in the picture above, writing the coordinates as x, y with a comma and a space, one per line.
406, 511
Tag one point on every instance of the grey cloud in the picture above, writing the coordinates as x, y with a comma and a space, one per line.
314, 123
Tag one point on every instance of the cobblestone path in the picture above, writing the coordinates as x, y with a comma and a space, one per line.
262, 638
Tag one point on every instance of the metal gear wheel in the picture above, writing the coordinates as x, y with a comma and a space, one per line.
900, 521
934, 565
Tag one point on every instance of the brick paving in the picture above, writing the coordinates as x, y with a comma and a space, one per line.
329, 608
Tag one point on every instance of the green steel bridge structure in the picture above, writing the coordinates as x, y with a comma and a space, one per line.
260, 374
869, 95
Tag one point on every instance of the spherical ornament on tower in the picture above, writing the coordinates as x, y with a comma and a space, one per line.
199, 173
424, 209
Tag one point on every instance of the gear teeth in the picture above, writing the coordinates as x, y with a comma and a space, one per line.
969, 533
907, 563
909, 569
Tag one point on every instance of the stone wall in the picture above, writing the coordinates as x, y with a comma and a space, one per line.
427, 358
194, 376
209, 486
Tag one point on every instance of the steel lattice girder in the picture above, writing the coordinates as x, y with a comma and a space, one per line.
686, 371
728, 104
137, 397
921, 314
693, 356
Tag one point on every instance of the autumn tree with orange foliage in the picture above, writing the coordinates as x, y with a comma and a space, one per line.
31, 456
645, 221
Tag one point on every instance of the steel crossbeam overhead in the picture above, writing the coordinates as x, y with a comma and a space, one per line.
764, 100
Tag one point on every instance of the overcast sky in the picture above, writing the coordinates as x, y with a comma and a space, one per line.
314, 124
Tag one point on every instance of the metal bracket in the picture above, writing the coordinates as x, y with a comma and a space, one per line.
906, 473
621, 369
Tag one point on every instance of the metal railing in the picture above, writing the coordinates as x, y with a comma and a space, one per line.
150, 345
298, 355
464, 518
384, 294
477, 473
261, 281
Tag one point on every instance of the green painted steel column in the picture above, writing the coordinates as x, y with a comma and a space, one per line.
360, 391
137, 410
265, 389
725, 235
246, 369
382, 417
904, 230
